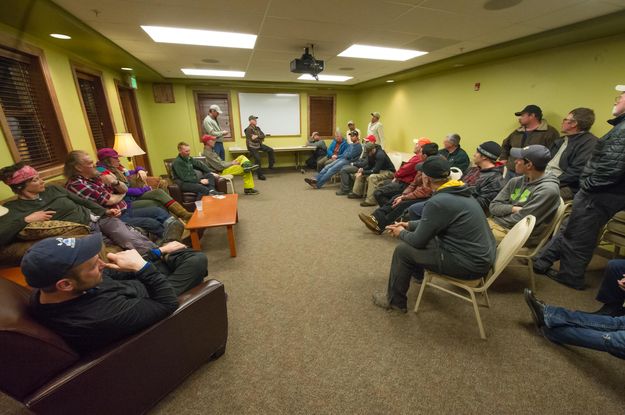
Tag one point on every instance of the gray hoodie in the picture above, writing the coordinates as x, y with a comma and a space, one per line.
540, 198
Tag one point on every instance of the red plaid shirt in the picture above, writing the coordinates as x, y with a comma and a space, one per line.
94, 190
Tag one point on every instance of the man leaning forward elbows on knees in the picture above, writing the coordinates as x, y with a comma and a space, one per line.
452, 238
91, 304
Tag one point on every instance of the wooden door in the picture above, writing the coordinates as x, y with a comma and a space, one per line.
132, 120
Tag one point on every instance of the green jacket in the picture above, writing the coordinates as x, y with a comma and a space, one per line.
68, 207
184, 169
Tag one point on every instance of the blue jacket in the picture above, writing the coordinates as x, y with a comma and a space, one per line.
342, 148
352, 153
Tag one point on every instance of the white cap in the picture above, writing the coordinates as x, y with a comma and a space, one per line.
620, 88
215, 107
350, 122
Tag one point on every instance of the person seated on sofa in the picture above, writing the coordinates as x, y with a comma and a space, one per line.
319, 154
184, 167
84, 180
417, 191
354, 149
139, 193
37, 204
91, 304
240, 166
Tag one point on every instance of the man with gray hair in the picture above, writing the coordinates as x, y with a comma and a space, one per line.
211, 127
454, 154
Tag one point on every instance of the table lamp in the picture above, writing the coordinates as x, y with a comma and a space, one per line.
126, 146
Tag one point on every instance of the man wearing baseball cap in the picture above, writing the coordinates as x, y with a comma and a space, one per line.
240, 166
453, 238
254, 140
351, 127
211, 127
350, 155
376, 129
601, 194
532, 192
90, 303
403, 176
533, 129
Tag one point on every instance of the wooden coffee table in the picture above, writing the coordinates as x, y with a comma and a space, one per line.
215, 212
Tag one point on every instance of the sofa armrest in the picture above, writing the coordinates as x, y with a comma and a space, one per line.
221, 184
146, 366
175, 192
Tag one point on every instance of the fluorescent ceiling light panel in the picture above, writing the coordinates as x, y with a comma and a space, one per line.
330, 78
200, 37
377, 52
212, 72
60, 36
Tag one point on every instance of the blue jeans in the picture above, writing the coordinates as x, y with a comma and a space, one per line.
594, 331
149, 218
609, 292
330, 170
219, 149
416, 211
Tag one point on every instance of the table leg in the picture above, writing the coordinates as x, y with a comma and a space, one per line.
233, 248
296, 160
195, 240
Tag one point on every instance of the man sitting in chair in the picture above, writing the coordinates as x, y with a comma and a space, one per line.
184, 167
452, 238
532, 192
240, 166
91, 304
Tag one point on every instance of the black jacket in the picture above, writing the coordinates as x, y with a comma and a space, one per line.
487, 187
458, 158
575, 156
378, 162
605, 172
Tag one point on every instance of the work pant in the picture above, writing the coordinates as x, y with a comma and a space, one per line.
388, 214
347, 178
150, 219
330, 170
237, 170
199, 188
373, 180
255, 154
184, 269
499, 232
594, 331
219, 149
117, 231
575, 243
387, 191
156, 197
416, 211
609, 292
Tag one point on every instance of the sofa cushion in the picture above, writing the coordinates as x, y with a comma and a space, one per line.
48, 228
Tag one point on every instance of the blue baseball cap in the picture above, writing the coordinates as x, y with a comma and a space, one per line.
49, 260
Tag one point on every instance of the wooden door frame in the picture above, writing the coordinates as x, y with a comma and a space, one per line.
140, 136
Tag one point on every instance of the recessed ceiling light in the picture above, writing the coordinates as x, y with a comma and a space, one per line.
212, 72
126, 69
60, 36
200, 37
330, 78
377, 52
390, 81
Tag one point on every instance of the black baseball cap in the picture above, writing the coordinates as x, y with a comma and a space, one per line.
429, 149
531, 109
355, 132
435, 167
539, 155
49, 260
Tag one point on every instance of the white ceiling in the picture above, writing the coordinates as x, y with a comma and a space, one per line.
445, 28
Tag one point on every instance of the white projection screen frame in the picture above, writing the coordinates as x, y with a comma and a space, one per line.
278, 114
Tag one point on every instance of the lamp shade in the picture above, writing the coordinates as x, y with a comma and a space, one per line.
126, 146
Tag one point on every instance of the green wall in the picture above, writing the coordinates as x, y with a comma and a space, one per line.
558, 80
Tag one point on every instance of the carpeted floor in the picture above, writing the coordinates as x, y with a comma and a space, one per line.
305, 338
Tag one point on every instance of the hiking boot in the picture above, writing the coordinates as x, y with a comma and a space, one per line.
341, 193
537, 308
353, 195
251, 191
215, 193
367, 204
261, 177
249, 166
381, 300
311, 182
173, 230
553, 274
370, 222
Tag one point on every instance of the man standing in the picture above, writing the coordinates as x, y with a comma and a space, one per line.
254, 138
351, 127
453, 238
211, 127
403, 176
91, 304
379, 168
456, 156
240, 166
601, 195
533, 192
376, 129
349, 156
184, 167
533, 130
572, 150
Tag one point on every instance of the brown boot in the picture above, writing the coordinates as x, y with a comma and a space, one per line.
178, 210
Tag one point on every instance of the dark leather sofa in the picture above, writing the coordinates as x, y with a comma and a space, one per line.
39, 369
187, 199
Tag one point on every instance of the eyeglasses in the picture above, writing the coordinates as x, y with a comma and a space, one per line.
568, 120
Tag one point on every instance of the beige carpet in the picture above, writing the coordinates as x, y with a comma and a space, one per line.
305, 338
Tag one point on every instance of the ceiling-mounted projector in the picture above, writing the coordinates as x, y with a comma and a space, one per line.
307, 64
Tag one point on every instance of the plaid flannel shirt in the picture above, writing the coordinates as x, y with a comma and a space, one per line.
94, 190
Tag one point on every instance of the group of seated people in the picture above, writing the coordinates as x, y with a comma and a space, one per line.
452, 226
